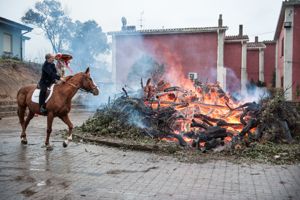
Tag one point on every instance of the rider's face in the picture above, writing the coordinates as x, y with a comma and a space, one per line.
51, 59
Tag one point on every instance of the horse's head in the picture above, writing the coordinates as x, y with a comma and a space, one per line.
88, 83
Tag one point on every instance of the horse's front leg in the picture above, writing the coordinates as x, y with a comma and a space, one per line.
49, 130
67, 121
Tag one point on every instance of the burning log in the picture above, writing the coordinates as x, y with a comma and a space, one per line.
219, 122
216, 132
161, 86
148, 89
173, 89
211, 144
251, 124
180, 139
210, 136
201, 125
161, 94
210, 105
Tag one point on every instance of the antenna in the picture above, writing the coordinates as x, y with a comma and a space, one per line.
141, 19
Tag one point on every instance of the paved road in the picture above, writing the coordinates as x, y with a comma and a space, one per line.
84, 171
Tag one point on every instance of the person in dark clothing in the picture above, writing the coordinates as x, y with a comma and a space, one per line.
49, 76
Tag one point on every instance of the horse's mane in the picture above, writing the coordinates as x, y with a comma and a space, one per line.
68, 77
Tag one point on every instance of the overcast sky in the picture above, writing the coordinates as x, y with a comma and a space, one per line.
259, 17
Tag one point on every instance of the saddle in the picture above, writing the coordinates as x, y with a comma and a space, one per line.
36, 94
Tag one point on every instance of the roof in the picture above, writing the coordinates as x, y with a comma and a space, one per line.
15, 24
169, 31
236, 38
255, 45
285, 4
25, 37
269, 42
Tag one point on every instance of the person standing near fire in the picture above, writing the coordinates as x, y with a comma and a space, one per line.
49, 76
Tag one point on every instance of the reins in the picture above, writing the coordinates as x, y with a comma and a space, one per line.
78, 88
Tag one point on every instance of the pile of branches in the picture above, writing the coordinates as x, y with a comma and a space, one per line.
273, 119
129, 117
277, 120
112, 120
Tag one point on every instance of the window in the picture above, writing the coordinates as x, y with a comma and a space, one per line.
7, 43
282, 47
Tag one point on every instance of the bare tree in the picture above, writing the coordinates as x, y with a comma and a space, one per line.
51, 18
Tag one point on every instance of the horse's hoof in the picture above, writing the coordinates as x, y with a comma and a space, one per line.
24, 141
48, 147
65, 144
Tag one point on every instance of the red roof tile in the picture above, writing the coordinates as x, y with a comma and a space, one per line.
236, 37
269, 42
255, 45
169, 31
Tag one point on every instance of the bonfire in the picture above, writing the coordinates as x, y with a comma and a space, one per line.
202, 115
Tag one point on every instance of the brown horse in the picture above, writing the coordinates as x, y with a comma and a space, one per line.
59, 105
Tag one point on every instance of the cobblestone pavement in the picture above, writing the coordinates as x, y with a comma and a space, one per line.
84, 171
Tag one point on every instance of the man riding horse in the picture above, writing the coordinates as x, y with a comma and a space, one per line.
49, 76
59, 104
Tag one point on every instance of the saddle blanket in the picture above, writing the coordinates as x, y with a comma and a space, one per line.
36, 94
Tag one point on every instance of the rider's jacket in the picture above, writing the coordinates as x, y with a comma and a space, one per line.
49, 74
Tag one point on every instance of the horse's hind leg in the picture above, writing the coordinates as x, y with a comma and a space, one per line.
21, 115
67, 121
24, 124
29, 117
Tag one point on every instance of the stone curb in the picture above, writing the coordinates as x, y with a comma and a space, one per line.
121, 144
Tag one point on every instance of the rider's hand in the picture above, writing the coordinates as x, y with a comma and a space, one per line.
62, 79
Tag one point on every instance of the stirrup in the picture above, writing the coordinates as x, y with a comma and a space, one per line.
43, 110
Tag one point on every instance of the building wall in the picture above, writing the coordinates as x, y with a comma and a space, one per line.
296, 54
253, 64
183, 52
16, 39
269, 63
233, 61
280, 56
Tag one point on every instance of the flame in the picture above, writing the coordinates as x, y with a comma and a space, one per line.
192, 98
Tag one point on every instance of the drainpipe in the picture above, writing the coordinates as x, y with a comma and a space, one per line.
221, 70
21, 53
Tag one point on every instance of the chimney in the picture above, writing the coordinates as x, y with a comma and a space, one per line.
256, 39
124, 23
241, 30
220, 22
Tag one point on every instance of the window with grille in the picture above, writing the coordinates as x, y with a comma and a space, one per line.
7, 43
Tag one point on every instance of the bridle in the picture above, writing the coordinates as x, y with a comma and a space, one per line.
81, 89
